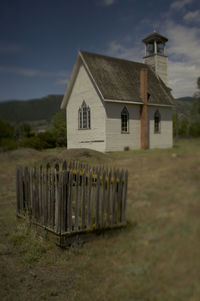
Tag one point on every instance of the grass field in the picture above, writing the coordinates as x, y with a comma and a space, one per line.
156, 257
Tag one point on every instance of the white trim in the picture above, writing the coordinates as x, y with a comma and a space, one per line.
124, 101
160, 105
137, 103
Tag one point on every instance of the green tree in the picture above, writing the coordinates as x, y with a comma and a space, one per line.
6, 130
58, 128
7, 141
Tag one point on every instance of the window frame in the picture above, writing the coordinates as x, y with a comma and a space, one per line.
157, 122
124, 123
84, 117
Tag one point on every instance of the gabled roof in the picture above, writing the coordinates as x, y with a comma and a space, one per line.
119, 80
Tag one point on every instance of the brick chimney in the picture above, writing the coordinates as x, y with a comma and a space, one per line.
144, 109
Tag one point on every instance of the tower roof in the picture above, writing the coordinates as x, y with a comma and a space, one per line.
155, 37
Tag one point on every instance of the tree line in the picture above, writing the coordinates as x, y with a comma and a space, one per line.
189, 126
14, 136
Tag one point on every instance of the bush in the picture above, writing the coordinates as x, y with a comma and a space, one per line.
8, 144
58, 128
41, 141
6, 130
32, 142
194, 129
48, 140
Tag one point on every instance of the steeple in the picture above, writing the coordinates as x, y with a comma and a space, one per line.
155, 55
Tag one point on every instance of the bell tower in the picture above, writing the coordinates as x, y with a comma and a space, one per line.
155, 55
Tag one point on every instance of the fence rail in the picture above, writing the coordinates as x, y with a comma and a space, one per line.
70, 198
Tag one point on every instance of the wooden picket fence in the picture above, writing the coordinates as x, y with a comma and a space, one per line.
71, 198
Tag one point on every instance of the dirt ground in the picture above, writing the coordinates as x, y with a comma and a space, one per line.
156, 257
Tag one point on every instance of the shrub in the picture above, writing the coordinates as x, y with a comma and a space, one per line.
6, 130
32, 142
194, 129
48, 140
41, 141
8, 144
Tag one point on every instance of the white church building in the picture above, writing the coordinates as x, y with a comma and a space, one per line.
112, 104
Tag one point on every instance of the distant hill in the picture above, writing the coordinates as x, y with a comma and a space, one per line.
31, 110
184, 105
43, 109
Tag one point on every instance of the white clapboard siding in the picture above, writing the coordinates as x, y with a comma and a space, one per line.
93, 138
164, 139
115, 140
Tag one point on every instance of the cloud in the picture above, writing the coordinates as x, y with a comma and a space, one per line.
192, 16
9, 47
59, 77
107, 2
183, 49
31, 72
116, 49
180, 4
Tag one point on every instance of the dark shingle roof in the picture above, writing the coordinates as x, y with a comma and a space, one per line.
155, 36
119, 79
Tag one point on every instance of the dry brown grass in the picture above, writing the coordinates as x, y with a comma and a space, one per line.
155, 258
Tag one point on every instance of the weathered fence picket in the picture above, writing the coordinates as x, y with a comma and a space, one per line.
72, 198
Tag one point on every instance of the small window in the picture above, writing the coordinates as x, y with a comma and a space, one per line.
84, 116
124, 120
157, 122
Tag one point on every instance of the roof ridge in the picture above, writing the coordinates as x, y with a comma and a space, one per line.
111, 57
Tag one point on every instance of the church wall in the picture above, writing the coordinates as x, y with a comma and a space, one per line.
164, 139
115, 140
93, 138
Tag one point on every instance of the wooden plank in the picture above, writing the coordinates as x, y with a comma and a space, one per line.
114, 187
40, 193
64, 165
33, 193
52, 203
18, 174
64, 203
108, 210
43, 197
26, 188
48, 196
83, 201
119, 197
77, 201
36, 194
57, 205
31, 190
103, 198
124, 196
69, 202
97, 199
89, 199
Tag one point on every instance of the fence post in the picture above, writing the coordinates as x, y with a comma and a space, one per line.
97, 199
57, 200
83, 200
89, 198
114, 188
77, 200
103, 198
69, 202
124, 195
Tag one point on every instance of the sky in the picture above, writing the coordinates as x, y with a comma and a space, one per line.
39, 40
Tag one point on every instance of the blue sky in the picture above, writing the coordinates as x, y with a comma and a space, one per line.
39, 40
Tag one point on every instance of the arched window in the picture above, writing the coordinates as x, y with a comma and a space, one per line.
157, 120
84, 116
124, 120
